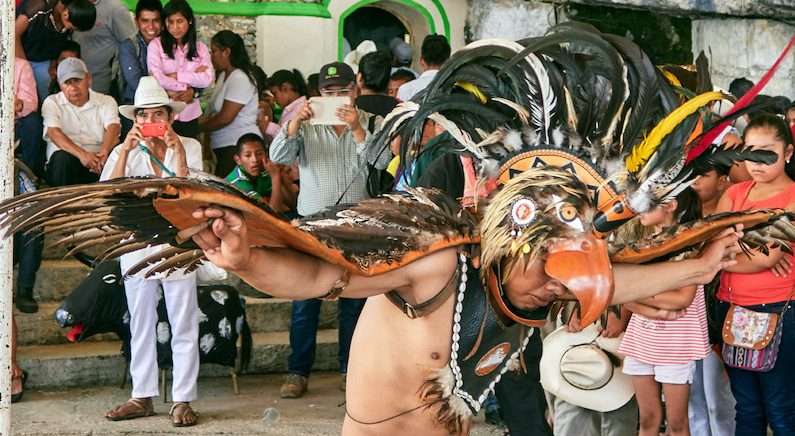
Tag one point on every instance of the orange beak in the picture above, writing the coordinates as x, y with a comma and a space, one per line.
583, 266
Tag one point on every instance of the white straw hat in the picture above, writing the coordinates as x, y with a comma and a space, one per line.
577, 368
150, 94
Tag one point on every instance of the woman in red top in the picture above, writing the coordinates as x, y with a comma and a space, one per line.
763, 398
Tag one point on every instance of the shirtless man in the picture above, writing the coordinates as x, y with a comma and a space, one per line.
392, 354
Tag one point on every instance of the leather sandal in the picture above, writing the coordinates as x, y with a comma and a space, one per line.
133, 408
182, 415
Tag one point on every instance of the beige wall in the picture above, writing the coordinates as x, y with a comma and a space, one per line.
307, 43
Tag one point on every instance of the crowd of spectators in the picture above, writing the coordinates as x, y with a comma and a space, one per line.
78, 60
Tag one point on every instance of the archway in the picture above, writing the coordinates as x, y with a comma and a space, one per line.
401, 18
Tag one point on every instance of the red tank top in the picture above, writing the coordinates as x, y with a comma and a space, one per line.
761, 287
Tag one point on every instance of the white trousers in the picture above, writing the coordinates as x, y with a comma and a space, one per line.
183, 312
711, 406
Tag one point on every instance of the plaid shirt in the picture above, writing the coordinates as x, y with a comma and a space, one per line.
329, 165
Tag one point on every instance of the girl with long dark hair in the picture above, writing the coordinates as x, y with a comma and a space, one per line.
235, 100
290, 92
181, 64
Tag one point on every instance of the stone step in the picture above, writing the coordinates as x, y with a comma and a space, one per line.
263, 314
58, 278
100, 363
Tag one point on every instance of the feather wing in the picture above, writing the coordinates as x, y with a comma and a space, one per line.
150, 211
769, 226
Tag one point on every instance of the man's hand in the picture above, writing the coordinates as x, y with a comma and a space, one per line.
304, 113
349, 115
91, 161
225, 242
783, 268
134, 137
719, 253
172, 140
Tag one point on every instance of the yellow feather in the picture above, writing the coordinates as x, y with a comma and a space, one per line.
472, 89
670, 77
643, 151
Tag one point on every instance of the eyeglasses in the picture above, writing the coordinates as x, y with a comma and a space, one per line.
335, 92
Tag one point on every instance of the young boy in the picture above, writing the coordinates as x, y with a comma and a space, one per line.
710, 187
259, 177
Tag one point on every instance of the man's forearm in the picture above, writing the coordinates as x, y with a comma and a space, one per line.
59, 138
632, 281
290, 274
111, 138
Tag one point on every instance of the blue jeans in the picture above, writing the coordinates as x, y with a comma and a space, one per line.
41, 74
30, 151
303, 333
27, 253
766, 398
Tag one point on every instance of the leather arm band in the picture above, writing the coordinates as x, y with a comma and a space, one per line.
337, 287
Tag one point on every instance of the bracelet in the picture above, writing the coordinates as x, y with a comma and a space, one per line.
337, 287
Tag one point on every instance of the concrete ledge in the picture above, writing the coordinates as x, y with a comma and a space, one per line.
100, 363
264, 315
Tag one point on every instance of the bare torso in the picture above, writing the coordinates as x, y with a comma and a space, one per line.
390, 357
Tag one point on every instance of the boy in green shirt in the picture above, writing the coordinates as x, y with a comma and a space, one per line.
258, 176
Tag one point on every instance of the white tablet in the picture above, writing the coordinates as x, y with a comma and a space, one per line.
324, 110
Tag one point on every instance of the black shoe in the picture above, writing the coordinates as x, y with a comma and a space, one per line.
25, 302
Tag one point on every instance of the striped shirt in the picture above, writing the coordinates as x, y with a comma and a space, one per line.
658, 342
331, 166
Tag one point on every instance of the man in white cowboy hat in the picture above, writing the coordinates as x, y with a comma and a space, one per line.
81, 127
582, 369
151, 148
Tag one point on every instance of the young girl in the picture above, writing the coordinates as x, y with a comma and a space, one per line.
662, 353
763, 398
181, 64
289, 91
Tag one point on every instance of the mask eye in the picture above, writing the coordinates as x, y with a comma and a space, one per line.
568, 214
523, 212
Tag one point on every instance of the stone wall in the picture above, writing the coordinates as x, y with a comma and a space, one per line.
509, 19
760, 43
246, 27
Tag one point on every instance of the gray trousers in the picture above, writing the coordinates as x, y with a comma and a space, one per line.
711, 406
571, 420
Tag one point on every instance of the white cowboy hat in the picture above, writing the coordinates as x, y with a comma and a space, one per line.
353, 58
576, 368
150, 94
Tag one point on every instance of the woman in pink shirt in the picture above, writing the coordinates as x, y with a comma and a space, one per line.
181, 64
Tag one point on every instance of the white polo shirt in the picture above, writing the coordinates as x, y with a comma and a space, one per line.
85, 125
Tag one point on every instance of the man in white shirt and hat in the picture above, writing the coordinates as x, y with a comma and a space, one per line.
152, 148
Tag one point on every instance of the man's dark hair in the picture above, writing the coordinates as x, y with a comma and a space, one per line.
375, 68
72, 46
249, 137
401, 74
740, 86
148, 5
435, 50
82, 14
140, 110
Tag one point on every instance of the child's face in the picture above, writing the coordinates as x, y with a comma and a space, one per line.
760, 138
251, 158
394, 85
710, 186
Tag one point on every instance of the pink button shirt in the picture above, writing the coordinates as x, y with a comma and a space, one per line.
24, 88
160, 65
288, 113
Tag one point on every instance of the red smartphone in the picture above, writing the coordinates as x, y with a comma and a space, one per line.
150, 130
